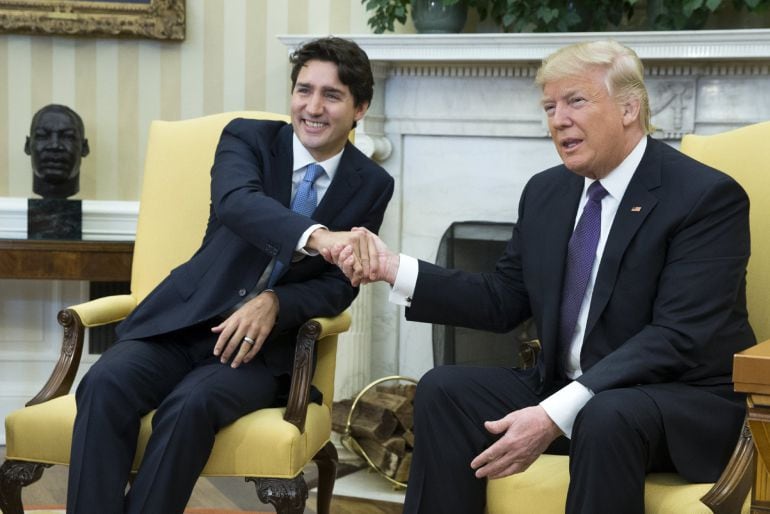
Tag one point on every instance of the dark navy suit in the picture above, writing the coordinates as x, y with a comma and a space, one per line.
666, 316
163, 358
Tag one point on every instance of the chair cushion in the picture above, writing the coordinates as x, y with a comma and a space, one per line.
259, 444
543, 489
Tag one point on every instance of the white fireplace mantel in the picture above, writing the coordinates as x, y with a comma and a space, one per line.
683, 45
456, 119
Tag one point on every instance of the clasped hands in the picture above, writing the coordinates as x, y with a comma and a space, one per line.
361, 255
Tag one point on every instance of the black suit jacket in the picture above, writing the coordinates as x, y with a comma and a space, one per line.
668, 308
250, 224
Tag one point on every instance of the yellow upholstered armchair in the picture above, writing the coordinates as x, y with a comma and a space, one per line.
270, 446
543, 487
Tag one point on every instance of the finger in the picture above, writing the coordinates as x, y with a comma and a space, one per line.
336, 252
496, 466
247, 344
224, 337
374, 264
259, 341
232, 347
345, 262
495, 427
358, 268
489, 455
516, 467
348, 268
365, 257
492, 468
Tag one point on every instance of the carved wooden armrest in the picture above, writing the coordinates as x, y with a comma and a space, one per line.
729, 492
74, 320
302, 373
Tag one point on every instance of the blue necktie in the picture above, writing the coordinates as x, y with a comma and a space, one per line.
306, 198
305, 202
581, 253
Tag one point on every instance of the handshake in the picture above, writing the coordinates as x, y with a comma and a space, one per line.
361, 255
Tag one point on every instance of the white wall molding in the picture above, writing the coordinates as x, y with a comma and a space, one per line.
684, 45
103, 220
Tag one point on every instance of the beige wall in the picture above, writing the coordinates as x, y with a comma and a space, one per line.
230, 60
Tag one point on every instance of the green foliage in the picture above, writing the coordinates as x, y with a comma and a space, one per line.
571, 15
386, 12
554, 15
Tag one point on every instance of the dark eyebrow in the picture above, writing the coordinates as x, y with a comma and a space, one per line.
333, 90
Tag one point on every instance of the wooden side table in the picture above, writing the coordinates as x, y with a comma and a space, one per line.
751, 374
94, 261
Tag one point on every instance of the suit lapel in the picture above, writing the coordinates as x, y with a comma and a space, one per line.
559, 222
284, 157
346, 181
635, 206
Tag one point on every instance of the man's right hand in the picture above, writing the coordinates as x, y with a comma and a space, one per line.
379, 263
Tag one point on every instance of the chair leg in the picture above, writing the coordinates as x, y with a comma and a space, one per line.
326, 460
286, 495
14, 475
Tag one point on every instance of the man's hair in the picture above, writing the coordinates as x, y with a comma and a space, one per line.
353, 66
624, 78
61, 109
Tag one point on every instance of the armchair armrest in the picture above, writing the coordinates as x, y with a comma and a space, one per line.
74, 321
104, 310
729, 492
302, 374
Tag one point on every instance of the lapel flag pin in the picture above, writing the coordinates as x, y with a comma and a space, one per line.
636, 209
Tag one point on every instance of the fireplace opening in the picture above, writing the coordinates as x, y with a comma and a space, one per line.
476, 246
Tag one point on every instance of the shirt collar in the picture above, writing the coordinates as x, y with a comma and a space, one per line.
302, 158
616, 182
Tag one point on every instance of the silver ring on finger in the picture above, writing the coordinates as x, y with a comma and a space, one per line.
248, 340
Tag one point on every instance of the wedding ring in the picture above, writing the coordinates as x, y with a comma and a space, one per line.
248, 340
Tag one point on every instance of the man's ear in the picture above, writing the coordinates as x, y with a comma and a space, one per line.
27, 149
630, 109
85, 150
360, 110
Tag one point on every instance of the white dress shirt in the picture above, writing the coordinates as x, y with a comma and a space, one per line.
563, 405
301, 160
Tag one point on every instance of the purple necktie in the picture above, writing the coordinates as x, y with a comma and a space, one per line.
581, 253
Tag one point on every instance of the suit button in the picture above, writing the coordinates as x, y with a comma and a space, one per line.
242, 292
272, 250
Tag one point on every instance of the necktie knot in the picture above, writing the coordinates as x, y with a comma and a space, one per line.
312, 172
596, 192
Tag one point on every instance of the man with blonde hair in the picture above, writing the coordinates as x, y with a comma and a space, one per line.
631, 258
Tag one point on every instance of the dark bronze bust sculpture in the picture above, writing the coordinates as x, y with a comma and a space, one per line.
56, 143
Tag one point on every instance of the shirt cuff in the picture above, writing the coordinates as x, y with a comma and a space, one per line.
563, 405
300, 248
406, 280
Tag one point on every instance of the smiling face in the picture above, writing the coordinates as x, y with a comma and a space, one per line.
592, 131
323, 109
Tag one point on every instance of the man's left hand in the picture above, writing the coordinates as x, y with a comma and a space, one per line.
242, 334
526, 435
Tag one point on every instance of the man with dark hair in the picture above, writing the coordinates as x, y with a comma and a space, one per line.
56, 144
207, 345
631, 259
